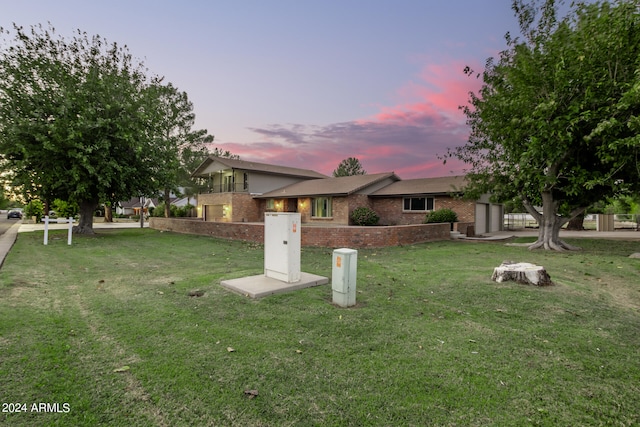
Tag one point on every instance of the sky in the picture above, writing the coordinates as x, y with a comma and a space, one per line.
307, 83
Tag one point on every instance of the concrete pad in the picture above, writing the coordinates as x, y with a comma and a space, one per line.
261, 285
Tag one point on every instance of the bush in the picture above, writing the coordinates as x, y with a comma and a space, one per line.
364, 216
158, 211
34, 208
175, 211
441, 215
65, 209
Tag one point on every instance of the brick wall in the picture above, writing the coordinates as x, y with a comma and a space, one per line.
250, 232
241, 207
329, 237
391, 213
466, 209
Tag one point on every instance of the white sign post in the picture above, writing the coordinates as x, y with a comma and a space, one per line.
47, 220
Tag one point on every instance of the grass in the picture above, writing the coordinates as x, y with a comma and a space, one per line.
107, 327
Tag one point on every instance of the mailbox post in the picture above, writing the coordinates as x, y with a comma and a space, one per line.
343, 276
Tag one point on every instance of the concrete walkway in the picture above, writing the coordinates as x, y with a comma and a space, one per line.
7, 240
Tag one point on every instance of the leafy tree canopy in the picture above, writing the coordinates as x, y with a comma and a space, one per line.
556, 123
79, 119
176, 141
348, 167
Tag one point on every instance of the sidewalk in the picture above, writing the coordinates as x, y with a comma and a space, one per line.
25, 228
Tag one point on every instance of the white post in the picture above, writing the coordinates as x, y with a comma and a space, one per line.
46, 229
70, 230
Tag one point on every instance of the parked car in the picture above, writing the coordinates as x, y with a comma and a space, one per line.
14, 214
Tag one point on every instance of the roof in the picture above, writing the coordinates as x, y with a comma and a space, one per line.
134, 202
340, 186
226, 163
440, 185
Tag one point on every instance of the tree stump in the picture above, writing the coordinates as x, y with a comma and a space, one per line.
521, 272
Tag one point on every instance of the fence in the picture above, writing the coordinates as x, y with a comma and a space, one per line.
518, 221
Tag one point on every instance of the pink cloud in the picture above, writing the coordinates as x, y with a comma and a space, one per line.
409, 137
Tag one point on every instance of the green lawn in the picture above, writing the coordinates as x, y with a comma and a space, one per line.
108, 328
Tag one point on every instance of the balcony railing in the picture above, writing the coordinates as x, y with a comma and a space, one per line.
239, 187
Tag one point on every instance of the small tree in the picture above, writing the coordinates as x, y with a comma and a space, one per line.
349, 167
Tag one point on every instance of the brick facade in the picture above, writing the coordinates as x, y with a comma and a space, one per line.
329, 237
391, 210
242, 207
232, 207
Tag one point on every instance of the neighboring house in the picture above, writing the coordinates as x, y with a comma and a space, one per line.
181, 202
133, 206
243, 191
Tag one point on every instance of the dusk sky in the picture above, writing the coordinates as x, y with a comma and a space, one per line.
307, 83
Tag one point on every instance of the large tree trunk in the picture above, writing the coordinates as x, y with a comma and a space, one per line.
550, 223
85, 223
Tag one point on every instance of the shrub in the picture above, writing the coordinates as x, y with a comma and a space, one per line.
65, 209
364, 216
34, 208
158, 211
441, 215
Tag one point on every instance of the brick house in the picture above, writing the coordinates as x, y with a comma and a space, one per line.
243, 191
328, 200
234, 184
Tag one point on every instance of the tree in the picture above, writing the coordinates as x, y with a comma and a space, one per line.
555, 123
177, 143
76, 120
348, 167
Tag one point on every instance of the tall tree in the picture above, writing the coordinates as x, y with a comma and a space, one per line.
175, 139
76, 119
556, 123
348, 167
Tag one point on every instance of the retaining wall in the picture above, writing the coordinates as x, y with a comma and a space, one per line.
329, 237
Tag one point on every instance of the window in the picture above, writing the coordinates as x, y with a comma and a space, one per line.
271, 205
321, 207
420, 204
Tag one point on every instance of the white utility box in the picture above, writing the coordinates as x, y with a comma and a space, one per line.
282, 246
343, 276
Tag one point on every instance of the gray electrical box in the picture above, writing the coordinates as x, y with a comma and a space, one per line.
343, 276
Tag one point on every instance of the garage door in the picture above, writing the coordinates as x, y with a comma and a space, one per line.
496, 218
481, 217
213, 212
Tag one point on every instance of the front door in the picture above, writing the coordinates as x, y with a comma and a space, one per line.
292, 205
